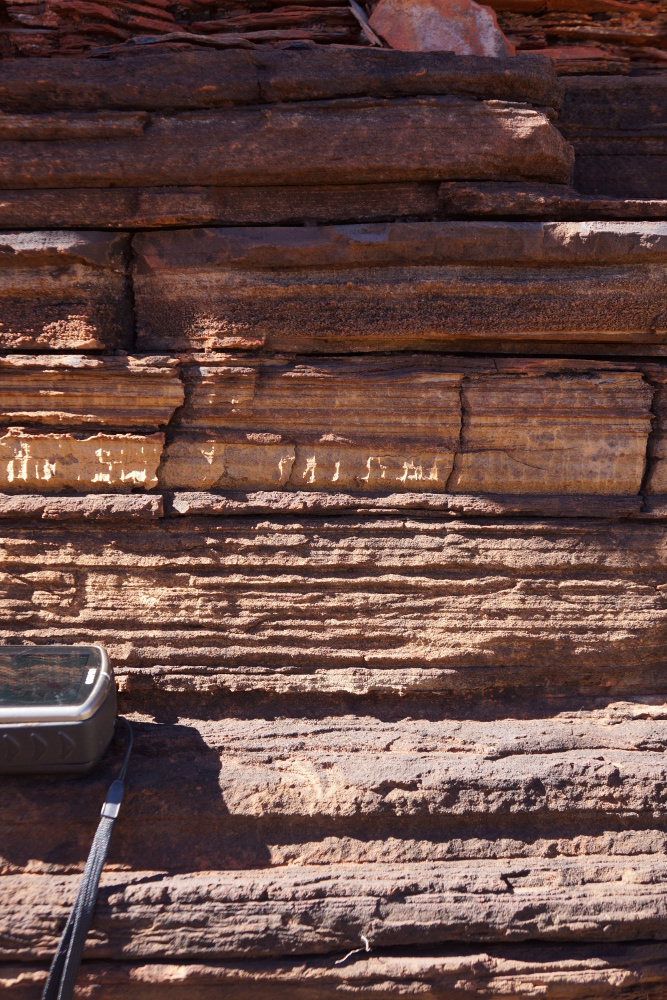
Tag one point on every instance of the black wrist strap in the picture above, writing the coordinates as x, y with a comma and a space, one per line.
67, 959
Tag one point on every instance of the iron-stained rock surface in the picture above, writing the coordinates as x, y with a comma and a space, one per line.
64, 291
511, 286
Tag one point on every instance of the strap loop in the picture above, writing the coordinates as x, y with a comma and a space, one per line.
111, 806
67, 959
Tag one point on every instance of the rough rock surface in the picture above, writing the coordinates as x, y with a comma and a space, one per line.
460, 26
405, 286
582, 36
79, 390
514, 971
456, 505
288, 604
558, 201
183, 81
409, 425
424, 831
92, 507
155, 208
64, 291
368, 714
53, 462
364, 424
157, 916
348, 141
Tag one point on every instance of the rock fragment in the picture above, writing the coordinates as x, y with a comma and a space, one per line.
463, 27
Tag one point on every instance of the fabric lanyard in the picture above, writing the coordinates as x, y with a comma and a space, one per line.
67, 959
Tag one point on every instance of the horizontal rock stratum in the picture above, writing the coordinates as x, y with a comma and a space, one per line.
347, 605
365, 424
567, 287
407, 286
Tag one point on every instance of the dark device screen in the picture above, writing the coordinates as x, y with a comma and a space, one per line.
53, 678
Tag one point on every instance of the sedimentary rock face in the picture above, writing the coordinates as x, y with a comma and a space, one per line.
338, 416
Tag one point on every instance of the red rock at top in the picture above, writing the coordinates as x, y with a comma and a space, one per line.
460, 26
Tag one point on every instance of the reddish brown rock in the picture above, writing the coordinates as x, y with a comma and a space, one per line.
656, 477
356, 141
64, 291
154, 208
460, 26
361, 706
405, 286
92, 507
185, 80
288, 605
75, 390
152, 914
554, 201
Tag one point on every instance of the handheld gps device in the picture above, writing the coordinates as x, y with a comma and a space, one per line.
57, 716
57, 708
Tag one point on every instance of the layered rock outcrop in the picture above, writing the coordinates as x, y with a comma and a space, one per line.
351, 451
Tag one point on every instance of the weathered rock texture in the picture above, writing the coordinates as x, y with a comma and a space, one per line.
151, 142
366, 424
428, 831
185, 81
582, 36
460, 26
341, 142
590, 37
505, 970
64, 291
557, 201
447, 285
63, 119
153, 208
402, 603
53, 462
410, 424
80, 390
390, 620
91, 507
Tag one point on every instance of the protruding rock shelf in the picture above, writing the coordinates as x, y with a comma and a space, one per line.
510, 286
188, 81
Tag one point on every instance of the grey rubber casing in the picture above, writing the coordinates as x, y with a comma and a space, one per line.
59, 739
